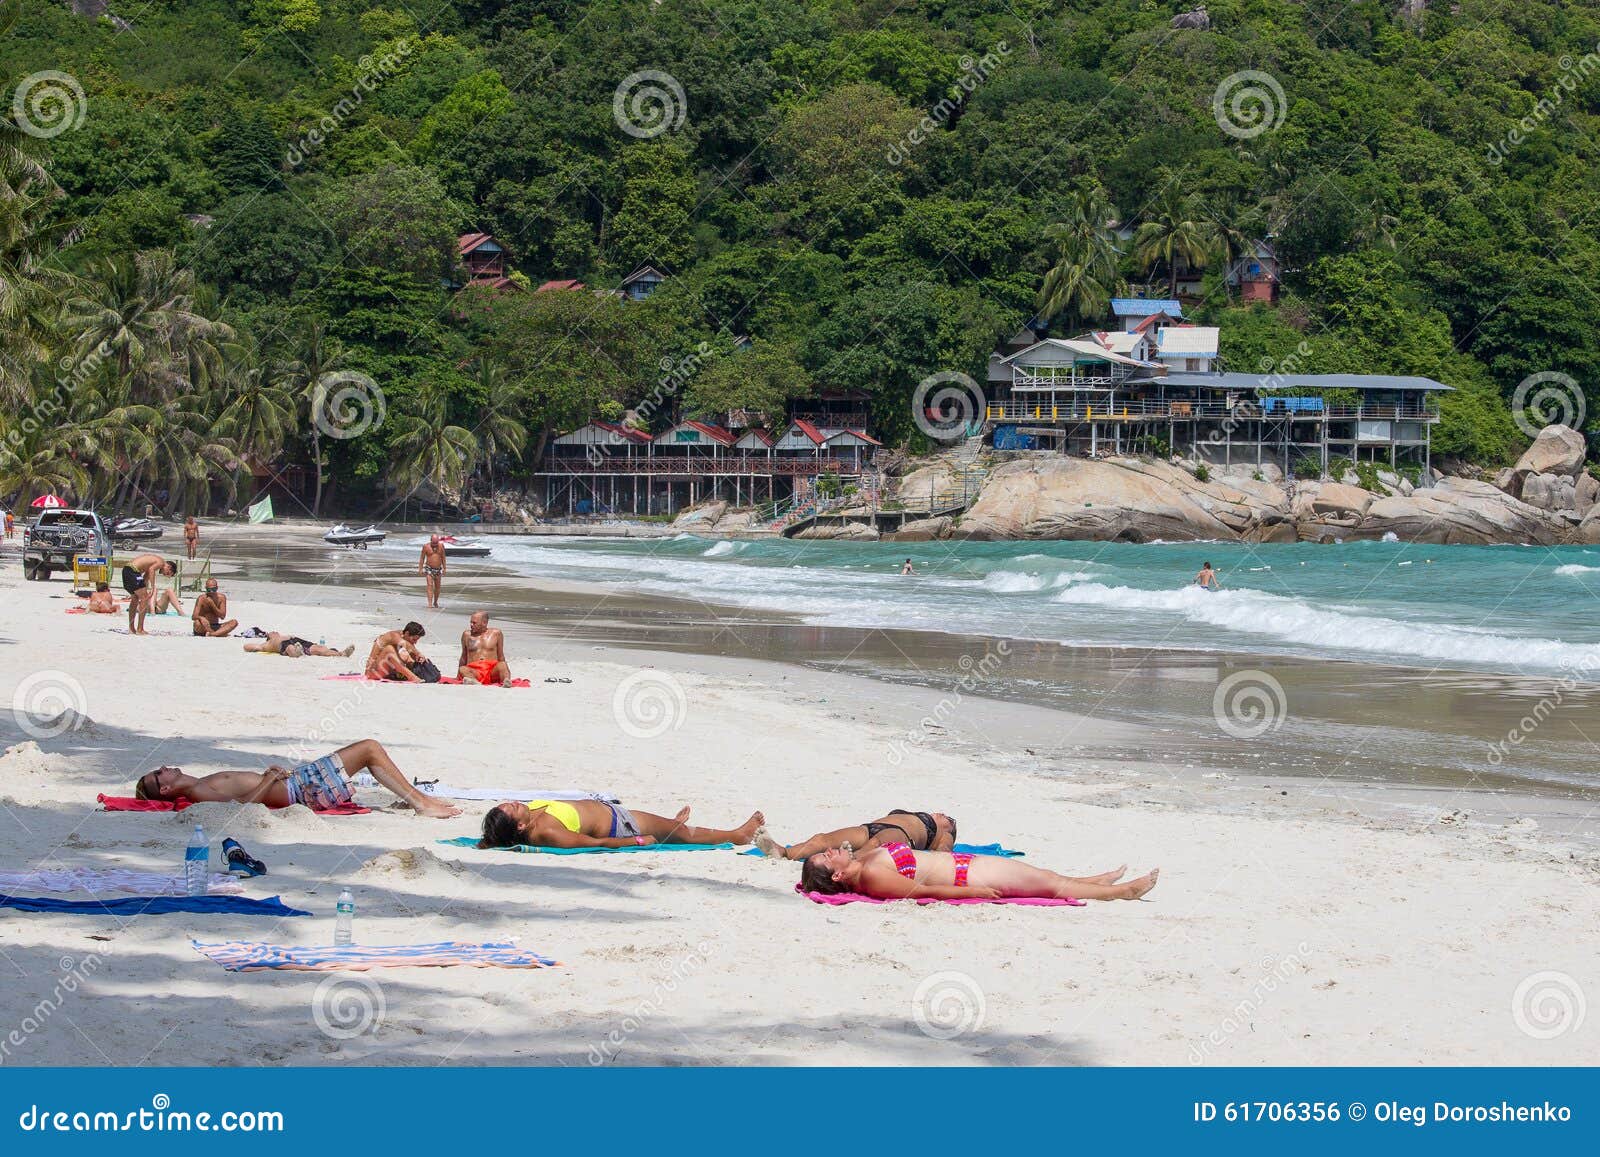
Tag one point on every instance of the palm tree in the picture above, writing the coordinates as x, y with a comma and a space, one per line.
313, 359
1176, 234
1235, 230
1084, 276
498, 431
257, 412
427, 448
31, 289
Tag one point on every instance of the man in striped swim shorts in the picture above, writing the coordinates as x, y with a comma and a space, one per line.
321, 784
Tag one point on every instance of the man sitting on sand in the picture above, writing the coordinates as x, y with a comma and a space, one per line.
139, 580
321, 784
922, 831
587, 823
393, 652
895, 872
211, 613
483, 653
103, 602
294, 647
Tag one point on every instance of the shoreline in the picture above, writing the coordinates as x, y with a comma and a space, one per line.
711, 958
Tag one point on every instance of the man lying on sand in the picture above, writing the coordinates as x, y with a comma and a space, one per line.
393, 652
293, 647
211, 613
895, 872
323, 783
922, 831
483, 653
586, 823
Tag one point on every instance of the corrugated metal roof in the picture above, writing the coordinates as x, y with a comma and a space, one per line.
1140, 306
1187, 341
1079, 346
1311, 381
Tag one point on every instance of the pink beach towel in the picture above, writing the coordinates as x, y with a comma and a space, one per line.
858, 898
352, 677
125, 803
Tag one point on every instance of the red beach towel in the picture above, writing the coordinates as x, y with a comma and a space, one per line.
858, 898
124, 803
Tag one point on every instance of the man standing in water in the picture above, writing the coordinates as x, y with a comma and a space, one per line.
483, 653
1207, 578
431, 563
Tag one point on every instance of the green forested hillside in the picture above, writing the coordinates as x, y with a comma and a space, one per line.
251, 194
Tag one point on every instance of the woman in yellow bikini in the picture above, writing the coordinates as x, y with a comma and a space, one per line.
587, 823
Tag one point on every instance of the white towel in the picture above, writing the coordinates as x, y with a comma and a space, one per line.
106, 881
445, 791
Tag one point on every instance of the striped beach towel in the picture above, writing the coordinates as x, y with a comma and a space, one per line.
470, 842
244, 956
968, 849
111, 881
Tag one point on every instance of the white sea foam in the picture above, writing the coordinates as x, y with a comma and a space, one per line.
720, 548
1573, 568
1306, 626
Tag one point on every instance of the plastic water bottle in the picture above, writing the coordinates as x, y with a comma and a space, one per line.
346, 908
323, 642
197, 863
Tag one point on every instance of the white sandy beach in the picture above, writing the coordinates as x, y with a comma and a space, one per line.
1271, 939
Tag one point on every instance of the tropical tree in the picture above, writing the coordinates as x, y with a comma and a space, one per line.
1176, 234
314, 358
258, 412
426, 447
1080, 283
31, 289
497, 428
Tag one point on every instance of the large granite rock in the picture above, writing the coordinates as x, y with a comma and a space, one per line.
699, 518
1122, 499
1552, 492
848, 532
1461, 511
1588, 531
1557, 450
1339, 500
925, 529
1586, 492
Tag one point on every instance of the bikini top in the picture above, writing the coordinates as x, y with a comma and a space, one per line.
905, 860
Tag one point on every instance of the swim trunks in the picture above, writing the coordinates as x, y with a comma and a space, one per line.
484, 670
320, 784
132, 580
622, 822
433, 571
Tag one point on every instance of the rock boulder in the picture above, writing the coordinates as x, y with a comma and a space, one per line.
1557, 450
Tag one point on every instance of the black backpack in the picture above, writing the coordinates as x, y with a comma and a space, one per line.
425, 670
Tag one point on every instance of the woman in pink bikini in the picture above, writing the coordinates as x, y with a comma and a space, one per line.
896, 872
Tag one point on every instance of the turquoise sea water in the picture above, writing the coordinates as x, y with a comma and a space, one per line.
1508, 609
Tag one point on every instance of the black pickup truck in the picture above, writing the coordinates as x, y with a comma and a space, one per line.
57, 537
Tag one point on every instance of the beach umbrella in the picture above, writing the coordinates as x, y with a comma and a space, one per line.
46, 502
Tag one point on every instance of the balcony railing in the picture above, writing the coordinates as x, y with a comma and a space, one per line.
743, 464
1118, 411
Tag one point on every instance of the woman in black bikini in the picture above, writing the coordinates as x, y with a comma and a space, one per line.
922, 831
293, 647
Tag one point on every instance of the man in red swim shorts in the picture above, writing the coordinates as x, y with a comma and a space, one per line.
483, 653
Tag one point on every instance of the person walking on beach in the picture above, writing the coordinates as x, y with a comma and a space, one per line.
908, 568
431, 563
211, 613
1207, 578
896, 872
587, 823
483, 653
320, 784
191, 534
139, 580
393, 654
11, 525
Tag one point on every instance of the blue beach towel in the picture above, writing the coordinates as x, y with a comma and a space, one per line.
155, 905
469, 842
965, 849
245, 956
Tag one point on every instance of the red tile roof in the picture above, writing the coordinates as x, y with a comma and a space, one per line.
810, 431
766, 438
568, 284
467, 242
715, 433
622, 431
